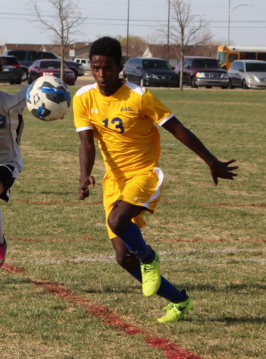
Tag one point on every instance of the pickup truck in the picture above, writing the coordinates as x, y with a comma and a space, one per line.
26, 58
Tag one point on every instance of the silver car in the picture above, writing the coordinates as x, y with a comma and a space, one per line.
247, 74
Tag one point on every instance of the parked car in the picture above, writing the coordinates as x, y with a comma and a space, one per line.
247, 74
86, 63
203, 71
11, 70
26, 58
50, 68
146, 71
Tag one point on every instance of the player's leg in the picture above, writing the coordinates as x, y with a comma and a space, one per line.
2, 239
180, 303
8, 175
122, 216
120, 223
131, 264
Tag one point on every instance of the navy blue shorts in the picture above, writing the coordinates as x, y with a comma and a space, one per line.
7, 179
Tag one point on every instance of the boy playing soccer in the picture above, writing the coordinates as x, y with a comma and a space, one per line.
121, 116
11, 127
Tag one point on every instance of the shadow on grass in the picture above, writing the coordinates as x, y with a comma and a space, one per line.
107, 289
227, 288
229, 320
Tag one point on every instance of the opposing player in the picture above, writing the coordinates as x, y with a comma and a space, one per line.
11, 127
122, 116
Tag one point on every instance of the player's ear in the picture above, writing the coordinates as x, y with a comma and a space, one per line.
120, 68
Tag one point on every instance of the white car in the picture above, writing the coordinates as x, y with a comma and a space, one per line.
247, 74
85, 63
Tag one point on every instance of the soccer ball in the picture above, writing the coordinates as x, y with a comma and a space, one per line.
48, 98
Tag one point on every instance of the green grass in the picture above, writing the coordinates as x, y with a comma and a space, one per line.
212, 241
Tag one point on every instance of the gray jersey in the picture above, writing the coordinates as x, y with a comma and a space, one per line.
11, 127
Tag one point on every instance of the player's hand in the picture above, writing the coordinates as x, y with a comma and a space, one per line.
223, 170
84, 186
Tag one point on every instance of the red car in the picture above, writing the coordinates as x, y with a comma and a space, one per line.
50, 68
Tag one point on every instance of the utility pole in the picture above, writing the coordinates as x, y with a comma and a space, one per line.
128, 4
168, 32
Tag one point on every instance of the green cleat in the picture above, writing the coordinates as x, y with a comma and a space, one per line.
151, 277
176, 311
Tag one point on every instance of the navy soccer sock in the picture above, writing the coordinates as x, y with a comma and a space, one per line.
166, 290
135, 243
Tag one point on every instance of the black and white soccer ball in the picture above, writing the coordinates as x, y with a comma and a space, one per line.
48, 98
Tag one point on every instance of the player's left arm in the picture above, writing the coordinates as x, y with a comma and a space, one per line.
218, 169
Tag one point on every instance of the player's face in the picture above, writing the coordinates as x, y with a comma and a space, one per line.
106, 73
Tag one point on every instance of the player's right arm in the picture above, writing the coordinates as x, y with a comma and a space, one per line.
86, 160
87, 148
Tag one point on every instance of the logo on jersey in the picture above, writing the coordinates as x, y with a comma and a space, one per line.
2, 121
123, 109
94, 111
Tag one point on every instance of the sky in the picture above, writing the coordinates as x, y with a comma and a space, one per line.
109, 17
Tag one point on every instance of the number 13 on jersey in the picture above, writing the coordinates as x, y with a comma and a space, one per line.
117, 122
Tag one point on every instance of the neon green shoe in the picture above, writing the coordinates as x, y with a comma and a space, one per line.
176, 311
151, 277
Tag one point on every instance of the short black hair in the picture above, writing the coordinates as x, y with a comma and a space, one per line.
107, 46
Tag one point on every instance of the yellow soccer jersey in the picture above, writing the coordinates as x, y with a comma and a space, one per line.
124, 125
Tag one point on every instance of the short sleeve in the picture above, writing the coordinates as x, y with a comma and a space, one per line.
155, 109
16, 102
81, 114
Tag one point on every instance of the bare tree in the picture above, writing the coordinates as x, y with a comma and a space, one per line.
64, 24
184, 30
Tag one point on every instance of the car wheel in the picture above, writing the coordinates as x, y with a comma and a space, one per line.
76, 74
24, 75
18, 82
29, 80
208, 87
193, 83
244, 85
141, 82
178, 82
224, 87
230, 84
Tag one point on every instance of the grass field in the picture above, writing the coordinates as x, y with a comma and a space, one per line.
64, 297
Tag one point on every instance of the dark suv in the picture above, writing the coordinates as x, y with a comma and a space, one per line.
11, 71
203, 71
152, 71
26, 58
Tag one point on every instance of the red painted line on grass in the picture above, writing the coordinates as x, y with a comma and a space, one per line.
215, 204
172, 351
86, 238
97, 311
163, 202
188, 240
12, 269
57, 202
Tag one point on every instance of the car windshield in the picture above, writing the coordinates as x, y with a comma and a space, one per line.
9, 61
206, 64
156, 65
51, 65
255, 67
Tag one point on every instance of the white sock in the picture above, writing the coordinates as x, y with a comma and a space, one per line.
1, 229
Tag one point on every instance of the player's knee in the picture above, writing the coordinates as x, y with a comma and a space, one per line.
117, 223
127, 260
121, 259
